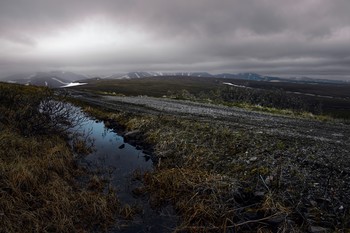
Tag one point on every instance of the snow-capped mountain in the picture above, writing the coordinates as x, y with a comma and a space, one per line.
142, 74
65, 79
52, 79
242, 76
245, 76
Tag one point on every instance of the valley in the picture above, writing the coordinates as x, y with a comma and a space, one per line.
220, 158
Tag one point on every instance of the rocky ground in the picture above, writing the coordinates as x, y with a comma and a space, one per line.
334, 132
298, 170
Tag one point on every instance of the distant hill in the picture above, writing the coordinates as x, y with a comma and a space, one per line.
240, 76
57, 79
142, 74
246, 76
52, 79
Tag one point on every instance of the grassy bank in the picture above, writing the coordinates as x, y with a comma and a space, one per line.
223, 179
39, 188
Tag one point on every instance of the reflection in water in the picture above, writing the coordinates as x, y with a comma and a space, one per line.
117, 161
112, 152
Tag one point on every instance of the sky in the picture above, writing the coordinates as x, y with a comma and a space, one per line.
271, 37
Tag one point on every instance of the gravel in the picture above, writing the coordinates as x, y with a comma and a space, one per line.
333, 132
319, 153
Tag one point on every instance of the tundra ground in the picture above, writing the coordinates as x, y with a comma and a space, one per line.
228, 169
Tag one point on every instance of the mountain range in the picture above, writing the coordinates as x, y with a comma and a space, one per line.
52, 79
56, 79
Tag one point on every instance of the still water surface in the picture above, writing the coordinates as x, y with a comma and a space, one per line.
117, 161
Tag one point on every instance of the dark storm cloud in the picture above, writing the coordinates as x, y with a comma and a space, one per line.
301, 37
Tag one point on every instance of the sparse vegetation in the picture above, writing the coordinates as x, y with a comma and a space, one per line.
217, 176
39, 187
260, 96
223, 179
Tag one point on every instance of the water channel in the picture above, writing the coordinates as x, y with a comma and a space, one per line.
117, 160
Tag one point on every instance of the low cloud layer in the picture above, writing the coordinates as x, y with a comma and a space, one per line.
272, 37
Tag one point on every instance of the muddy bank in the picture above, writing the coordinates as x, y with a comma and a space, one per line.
120, 158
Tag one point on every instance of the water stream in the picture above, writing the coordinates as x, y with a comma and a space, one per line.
118, 160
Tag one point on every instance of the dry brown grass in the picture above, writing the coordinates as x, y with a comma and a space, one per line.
220, 178
210, 194
205, 201
39, 191
81, 147
39, 188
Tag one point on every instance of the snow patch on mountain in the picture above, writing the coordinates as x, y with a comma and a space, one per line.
74, 84
59, 81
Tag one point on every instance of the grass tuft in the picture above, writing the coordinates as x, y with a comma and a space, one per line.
39, 188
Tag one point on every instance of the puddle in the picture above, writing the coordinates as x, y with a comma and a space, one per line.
118, 160
111, 153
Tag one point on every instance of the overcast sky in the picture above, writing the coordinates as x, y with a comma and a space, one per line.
271, 37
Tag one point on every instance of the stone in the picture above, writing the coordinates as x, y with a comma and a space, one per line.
139, 191
277, 219
317, 229
259, 193
132, 133
313, 203
147, 157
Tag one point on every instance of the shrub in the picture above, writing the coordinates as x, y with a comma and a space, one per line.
35, 110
